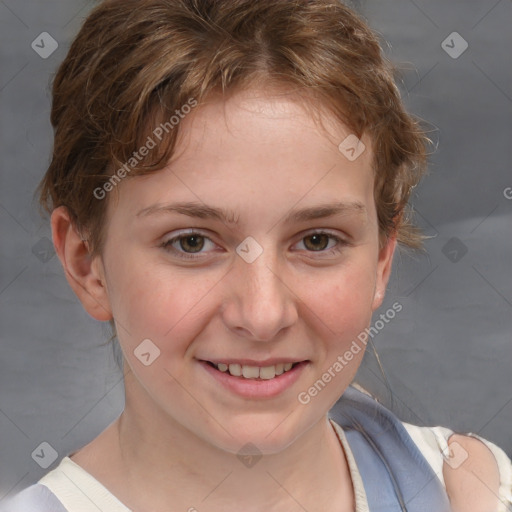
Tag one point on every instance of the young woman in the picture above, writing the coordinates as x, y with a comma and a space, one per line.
228, 185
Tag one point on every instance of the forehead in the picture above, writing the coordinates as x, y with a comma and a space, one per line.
263, 117
257, 151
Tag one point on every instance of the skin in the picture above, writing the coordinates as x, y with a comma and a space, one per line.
262, 156
474, 485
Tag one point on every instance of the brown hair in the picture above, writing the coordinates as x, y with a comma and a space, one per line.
136, 63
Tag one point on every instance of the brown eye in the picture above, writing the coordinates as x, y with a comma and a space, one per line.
317, 241
191, 243
324, 244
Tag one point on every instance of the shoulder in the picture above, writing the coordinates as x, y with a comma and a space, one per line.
477, 474
68, 487
474, 480
77, 489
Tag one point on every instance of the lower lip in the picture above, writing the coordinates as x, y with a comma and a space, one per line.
256, 388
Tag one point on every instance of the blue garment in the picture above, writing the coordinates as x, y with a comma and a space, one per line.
396, 476
36, 498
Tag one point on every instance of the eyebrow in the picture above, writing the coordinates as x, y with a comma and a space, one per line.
202, 211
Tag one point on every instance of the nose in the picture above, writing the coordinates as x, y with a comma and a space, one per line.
259, 303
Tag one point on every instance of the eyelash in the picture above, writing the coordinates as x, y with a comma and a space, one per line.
167, 244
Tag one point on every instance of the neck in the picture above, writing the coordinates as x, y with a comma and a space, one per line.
159, 458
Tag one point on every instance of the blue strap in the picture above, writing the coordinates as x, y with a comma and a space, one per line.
36, 498
396, 476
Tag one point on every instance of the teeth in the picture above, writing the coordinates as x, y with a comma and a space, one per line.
235, 370
268, 372
254, 372
250, 372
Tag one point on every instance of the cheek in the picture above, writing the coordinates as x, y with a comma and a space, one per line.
151, 301
158, 304
342, 300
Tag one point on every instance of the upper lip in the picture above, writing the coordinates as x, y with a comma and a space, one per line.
253, 362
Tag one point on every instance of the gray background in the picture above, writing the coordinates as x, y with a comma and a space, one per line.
447, 355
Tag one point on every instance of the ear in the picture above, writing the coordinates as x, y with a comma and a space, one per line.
384, 265
85, 274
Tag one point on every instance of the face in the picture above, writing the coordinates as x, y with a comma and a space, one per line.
256, 247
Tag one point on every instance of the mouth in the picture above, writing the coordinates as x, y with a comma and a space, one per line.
258, 380
251, 372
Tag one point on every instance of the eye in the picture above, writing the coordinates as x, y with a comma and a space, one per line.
323, 242
190, 245
187, 245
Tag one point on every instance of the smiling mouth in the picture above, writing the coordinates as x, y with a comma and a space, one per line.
254, 372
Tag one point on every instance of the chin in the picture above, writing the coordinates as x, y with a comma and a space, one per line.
256, 435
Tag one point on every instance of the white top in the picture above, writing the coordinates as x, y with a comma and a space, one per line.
78, 490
